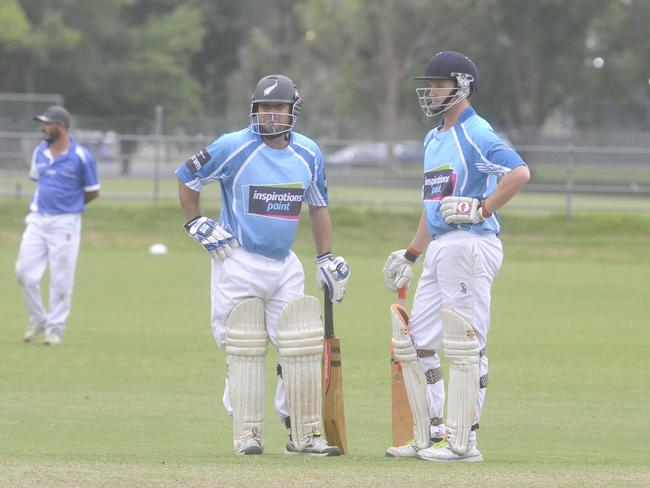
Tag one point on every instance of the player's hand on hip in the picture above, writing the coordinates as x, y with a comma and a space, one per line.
463, 210
214, 238
334, 274
398, 270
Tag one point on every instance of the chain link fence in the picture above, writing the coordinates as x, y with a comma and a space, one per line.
136, 161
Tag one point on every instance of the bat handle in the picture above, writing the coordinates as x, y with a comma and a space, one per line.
329, 318
401, 296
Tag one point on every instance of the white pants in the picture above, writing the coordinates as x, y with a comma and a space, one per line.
247, 275
52, 239
459, 268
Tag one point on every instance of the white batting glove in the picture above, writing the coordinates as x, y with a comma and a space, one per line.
214, 238
463, 210
398, 270
334, 274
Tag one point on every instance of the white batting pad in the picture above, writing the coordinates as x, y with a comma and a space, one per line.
246, 341
463, 354
414, 379
300, 342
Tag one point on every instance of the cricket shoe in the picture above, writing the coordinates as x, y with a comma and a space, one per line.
251, 444
52, 339
408, 450
33, 331
317, 446
443, 453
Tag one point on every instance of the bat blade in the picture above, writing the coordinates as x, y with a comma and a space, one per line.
333, 408
402, 420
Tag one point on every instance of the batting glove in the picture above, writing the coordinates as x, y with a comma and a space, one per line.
398, 270
214, 238
334, 274
463, 210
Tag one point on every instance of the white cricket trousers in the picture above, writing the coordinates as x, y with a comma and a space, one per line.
458, 271
246, 275
53, 240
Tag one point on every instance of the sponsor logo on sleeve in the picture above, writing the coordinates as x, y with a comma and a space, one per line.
280, 202
196, 162
438, 183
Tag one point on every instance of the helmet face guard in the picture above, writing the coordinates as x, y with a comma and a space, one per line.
433, 105
272, 123
274, 89
447, 65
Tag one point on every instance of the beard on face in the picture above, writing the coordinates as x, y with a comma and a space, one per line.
269, 128
52, 135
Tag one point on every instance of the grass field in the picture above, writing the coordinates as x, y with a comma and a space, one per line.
133, 397
144, 189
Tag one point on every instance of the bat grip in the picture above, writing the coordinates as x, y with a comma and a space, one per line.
329, 319
401, 296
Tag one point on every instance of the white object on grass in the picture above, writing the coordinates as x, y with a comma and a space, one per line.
158, 249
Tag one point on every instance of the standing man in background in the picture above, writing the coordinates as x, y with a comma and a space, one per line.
266, 171
469, 173
66, 174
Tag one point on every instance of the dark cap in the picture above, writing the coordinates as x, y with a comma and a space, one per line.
55, 114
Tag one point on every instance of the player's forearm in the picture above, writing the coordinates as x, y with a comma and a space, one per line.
507, 188
189, 200
321, 229
422, 237
89, 196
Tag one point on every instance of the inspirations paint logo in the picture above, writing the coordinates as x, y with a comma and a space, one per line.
439, 183
282, 201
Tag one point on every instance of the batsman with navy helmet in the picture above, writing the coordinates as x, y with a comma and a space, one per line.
469, 173
266, 171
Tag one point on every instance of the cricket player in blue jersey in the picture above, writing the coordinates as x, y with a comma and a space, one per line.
66, 174
266, 171
469, 173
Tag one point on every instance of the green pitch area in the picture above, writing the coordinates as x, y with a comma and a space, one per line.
376, 190
133, 397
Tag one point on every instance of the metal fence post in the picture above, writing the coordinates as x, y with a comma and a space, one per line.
158, 143
571, 159
570, 180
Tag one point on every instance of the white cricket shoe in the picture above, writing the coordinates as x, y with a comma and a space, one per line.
317, 446
252, 444
443, 453
408, 450
52, 339
33, 331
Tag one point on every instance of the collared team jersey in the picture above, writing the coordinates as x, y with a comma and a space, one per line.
262, 189
465, 160
63, 181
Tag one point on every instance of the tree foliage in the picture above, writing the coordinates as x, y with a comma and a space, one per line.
353, 60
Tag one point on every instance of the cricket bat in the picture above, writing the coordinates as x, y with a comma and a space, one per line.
333, 411
401, 411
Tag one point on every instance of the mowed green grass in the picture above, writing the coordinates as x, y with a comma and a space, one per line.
133, 397
144, 190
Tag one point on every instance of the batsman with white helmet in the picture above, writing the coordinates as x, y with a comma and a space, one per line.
469, 173
266, 171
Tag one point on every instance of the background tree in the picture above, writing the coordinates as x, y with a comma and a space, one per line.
617, 84
532, 57
365, 56
109, 57
354, 61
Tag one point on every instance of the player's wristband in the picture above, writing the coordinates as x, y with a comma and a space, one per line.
323, 258
190, 222
412, 254
484, 212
